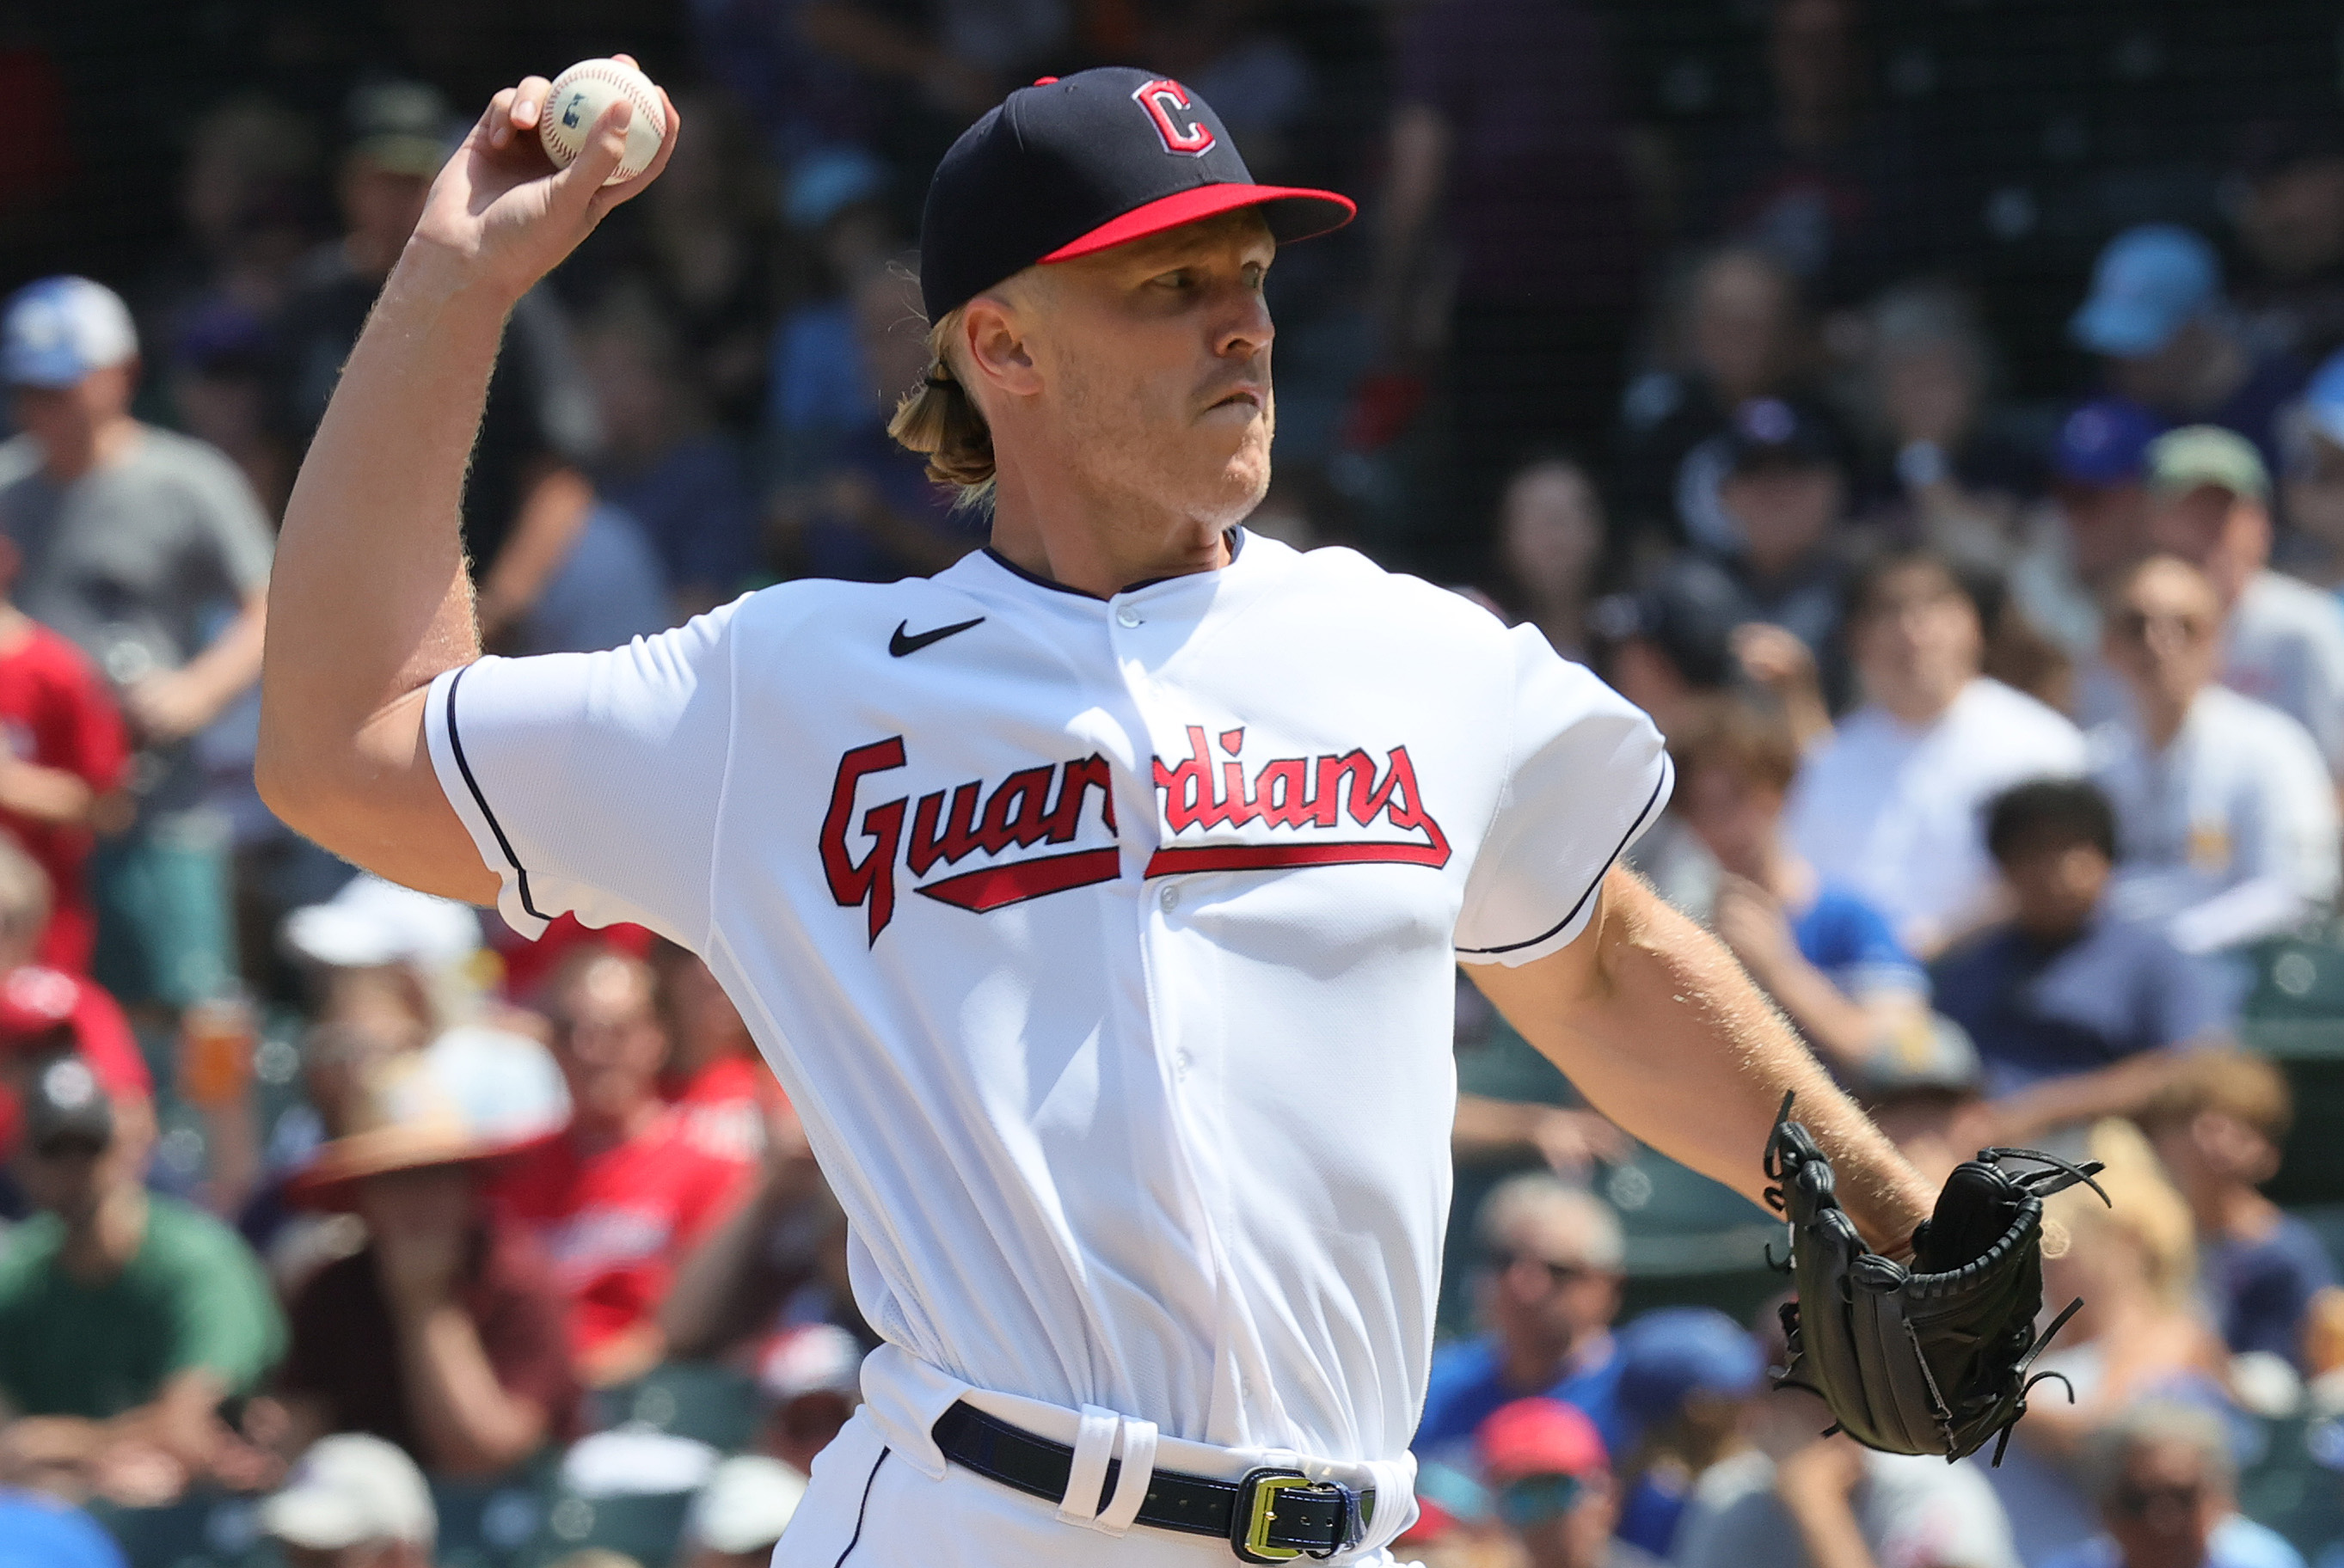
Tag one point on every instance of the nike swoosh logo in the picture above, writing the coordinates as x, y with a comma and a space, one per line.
899, 645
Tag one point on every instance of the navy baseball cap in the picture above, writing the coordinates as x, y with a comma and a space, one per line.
1771, 432
2105, 442
1074, 164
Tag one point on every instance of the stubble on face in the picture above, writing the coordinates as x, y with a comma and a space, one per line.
1135, 398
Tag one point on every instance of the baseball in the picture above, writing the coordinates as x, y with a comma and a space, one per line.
580, 96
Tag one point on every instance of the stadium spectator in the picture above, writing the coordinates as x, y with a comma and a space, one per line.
1924, 1097
2138, 1337
353, 1501
809, 1381
1823, 953
132, 540
618, 1201
2226, 815
1733, 332
445, 1333
2282, 640
1505, 129
1549, 1292
44, 1012
1948, 470
66, 755
1550, 542
741, 1512
2096, 526
2169, 341
2220, 1127
2290, 218
1549, 1477
851, 502
777, 1260
1783, 496
2311, 493
2076, 1011
1890, 805
663, 463
714, 1073
2166, 1488
556, 569
1791, 1499
39, 1532
1685, 1375
1822, 178
126, 1318
707, 234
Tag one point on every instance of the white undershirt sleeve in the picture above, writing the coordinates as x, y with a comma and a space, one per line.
1587, 774
590, 781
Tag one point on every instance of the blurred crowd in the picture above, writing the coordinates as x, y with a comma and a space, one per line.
1999, 648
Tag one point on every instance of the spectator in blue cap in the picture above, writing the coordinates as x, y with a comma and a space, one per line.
2100, 491
2157, 318
1684, 1372
37, 1532
2311, 491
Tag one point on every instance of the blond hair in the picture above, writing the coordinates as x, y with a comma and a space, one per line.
2145, 1211
940, 421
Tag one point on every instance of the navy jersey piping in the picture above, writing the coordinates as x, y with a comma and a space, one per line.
856, 1539
1236, 543
1659, 785
456, 745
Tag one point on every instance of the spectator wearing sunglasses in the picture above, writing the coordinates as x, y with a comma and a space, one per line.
2226, 819
1549, 1484
1789, 1497
2166, 1488
127, 1318
1549, 1290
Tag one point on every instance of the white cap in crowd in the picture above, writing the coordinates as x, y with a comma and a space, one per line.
746, 1504
372, 921
352, 1490
60, 329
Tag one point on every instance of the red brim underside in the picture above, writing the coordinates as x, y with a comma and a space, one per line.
1295, 213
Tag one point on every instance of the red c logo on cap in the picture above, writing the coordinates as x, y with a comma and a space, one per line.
1165, 98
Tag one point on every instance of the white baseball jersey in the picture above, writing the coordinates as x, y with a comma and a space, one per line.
2231, 832
1105, 946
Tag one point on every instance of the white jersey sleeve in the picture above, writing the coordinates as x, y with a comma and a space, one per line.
590, 781
1586, 772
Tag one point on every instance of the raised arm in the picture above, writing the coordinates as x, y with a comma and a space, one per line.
1660, 1028
370, 598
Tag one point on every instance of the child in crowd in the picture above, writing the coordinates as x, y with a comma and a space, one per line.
1824, 952
2219, 1128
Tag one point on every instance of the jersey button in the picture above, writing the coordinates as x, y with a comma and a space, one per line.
1170, 898
1126, 616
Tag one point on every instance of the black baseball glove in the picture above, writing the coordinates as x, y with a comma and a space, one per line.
1933, 1357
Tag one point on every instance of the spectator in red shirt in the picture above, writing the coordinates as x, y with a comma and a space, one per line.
714, 1075
444, 1334
65, 753
619, 1198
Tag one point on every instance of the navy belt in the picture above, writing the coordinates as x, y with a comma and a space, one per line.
1270, 1515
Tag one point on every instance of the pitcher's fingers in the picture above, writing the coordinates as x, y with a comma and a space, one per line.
625, 190
627, 60
496, 122
529, 102
606, 146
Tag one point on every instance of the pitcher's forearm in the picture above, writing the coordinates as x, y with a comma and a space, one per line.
1664, 1034
369, 599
